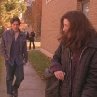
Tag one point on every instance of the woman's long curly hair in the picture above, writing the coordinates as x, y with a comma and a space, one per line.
81, 30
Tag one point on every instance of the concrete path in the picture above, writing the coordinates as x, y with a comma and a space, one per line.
32, 86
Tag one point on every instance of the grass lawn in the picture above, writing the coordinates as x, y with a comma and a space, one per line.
39, 61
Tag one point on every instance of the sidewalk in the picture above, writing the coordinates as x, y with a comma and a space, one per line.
32, 86
37, 44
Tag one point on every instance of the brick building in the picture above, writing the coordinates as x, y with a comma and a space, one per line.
52, 10
32, 15
37, 12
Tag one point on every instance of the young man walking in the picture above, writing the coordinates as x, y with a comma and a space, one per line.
14, 50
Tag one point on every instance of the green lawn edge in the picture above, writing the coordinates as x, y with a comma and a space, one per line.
39, 61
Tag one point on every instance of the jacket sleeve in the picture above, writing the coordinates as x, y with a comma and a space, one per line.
90, 87
56, 60
3, 47
25, 53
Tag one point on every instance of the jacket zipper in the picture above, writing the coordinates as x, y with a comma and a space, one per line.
82, 53
70, 57
70, 84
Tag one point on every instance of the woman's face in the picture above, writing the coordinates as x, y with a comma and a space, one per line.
66, 26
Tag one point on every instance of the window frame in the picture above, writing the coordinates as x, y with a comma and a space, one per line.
85, 3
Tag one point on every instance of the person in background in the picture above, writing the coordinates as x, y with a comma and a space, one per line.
75, 60
14, 50
31, 38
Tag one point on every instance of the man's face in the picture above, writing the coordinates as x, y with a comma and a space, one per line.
15, 25
66, 26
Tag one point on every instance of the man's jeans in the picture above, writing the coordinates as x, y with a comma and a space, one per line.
12, 71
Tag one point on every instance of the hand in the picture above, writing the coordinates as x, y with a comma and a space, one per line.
7, 62
59, 75
6, 59
24, 62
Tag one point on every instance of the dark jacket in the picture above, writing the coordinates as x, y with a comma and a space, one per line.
85, 80
6, 43
31, 36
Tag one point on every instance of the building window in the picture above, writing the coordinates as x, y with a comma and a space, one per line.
85, 7
47, 1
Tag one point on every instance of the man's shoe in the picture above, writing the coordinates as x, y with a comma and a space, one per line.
15, 93
9, 95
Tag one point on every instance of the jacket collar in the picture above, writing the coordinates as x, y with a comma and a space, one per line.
12, 32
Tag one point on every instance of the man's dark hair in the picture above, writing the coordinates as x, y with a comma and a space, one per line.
15, 19
81, 29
